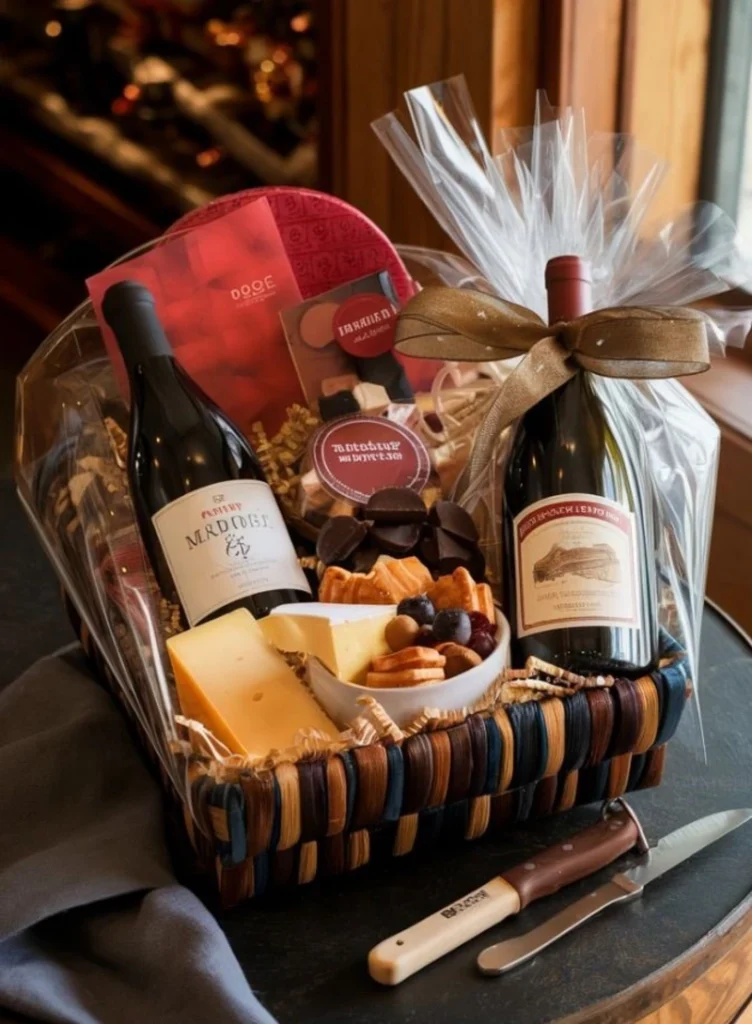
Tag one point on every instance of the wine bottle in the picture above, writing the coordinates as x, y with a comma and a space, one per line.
579, 576
210, 522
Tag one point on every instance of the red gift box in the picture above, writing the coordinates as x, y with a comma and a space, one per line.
219, 291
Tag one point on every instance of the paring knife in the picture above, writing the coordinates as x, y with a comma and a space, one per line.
672, 850
588, 851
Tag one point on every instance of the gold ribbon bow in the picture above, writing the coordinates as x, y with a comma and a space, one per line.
627, 341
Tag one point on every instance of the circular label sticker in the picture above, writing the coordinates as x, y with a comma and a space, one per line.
355, 456
364, 325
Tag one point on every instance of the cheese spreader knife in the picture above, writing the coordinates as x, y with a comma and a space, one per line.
672, 850
588, 851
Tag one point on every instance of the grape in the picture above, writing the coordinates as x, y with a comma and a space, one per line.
452, 625
419, 608
425, 637
481, 624
482, 643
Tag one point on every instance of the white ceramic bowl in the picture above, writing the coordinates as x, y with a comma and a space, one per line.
404, 703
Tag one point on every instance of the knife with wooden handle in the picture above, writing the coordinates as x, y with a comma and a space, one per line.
671, 851
400, 956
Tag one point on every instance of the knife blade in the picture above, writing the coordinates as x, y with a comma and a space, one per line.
400, 956
671, 851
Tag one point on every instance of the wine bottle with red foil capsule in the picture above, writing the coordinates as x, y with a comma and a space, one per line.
210, 522
579, 573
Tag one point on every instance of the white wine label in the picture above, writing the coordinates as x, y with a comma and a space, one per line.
576, 564
225, 542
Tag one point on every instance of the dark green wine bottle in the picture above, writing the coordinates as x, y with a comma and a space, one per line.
579, 532
209, 520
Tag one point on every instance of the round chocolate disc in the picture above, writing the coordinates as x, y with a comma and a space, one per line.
395, 505
398, 540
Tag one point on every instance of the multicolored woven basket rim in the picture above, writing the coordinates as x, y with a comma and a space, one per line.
328, 814
325, 815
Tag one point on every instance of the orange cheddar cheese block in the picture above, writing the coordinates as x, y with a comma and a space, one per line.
232, 681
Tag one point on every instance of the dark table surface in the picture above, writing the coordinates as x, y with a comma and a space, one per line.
305, 951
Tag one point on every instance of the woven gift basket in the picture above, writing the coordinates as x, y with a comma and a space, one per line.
540, 740
440, 783
535, 746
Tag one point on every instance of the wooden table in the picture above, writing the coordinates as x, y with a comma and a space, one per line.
683, 953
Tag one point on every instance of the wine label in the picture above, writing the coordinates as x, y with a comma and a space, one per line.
225, 542
355, 456
576, 564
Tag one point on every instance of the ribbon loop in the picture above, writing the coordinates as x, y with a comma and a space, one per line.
466, 326
639, 342
634, 342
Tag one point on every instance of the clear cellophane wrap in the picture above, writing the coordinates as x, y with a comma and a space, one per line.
550, 190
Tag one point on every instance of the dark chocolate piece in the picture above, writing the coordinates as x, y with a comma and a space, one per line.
477, 565
428, 549
451, 553
443, 553
365, 558
395, 505
313, 579
340, 537
388, 372
396, 540
455, 520
341, 403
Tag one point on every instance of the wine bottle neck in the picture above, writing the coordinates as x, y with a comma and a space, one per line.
568, 299
569, 296
160, 387
569, 289
161, 377
145, 343
159, 369
129, 309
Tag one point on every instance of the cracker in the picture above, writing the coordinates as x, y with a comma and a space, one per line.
485, 601
456, 591
334, 586
388, 582
408, 574
407, 677
409, 657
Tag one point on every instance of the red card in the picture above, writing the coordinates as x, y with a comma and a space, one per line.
219, 289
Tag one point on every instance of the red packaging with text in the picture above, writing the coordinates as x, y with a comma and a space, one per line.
219, 290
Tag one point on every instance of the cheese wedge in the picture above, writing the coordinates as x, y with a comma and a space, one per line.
232, 681
344, 637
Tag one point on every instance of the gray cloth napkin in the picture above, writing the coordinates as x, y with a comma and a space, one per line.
93, 925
